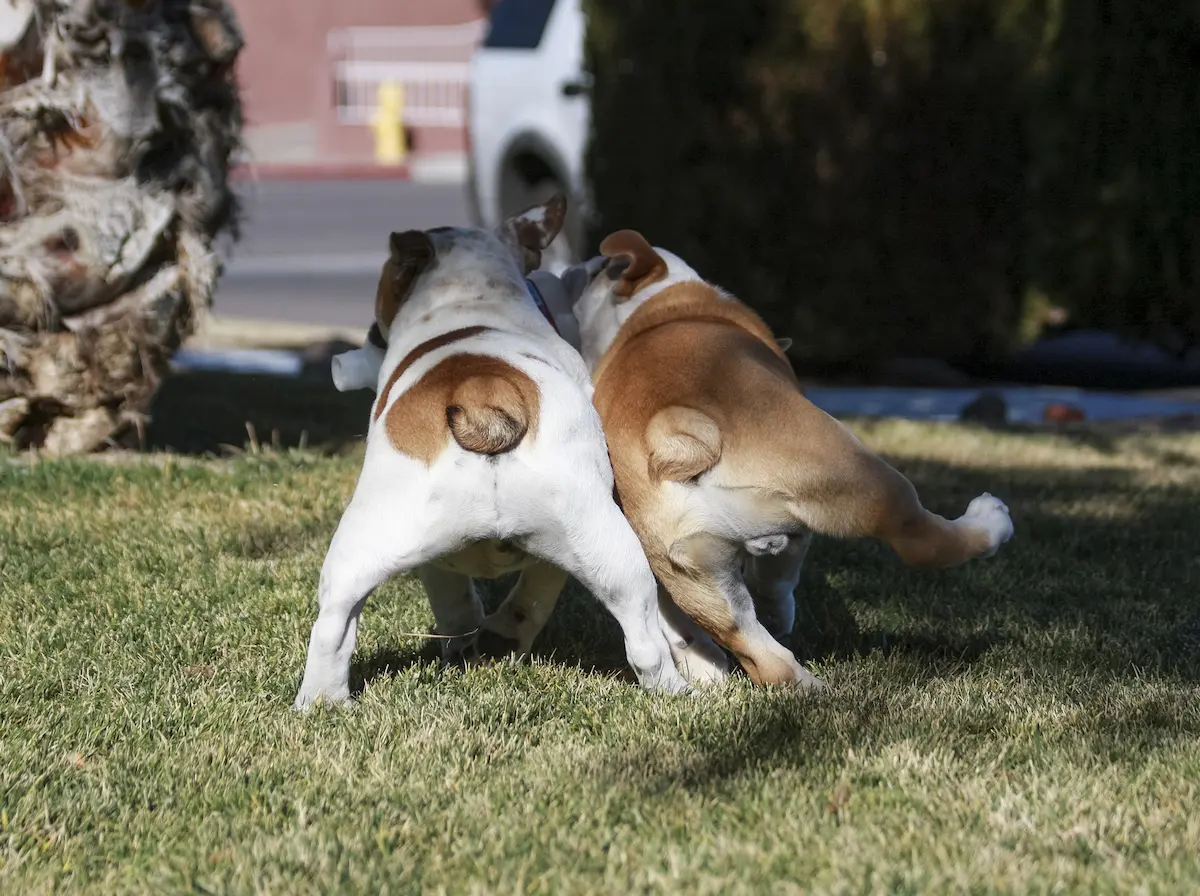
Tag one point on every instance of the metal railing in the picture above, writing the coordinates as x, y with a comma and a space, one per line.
431, 63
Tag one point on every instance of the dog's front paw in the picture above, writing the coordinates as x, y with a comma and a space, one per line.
807, 683
990, 514
664, 679
798, 680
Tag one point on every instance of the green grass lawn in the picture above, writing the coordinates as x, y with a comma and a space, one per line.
1025, 724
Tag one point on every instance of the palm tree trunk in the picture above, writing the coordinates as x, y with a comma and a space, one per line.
118, 123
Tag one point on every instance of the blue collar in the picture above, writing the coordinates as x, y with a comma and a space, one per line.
541, 303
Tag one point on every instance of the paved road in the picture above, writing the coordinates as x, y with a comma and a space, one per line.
311, 251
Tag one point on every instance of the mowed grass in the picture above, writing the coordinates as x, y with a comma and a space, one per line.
1025, 724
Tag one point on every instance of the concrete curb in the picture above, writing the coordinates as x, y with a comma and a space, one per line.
320, 171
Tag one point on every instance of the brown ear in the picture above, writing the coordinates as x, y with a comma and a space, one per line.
410, 253
534, 229
633, 260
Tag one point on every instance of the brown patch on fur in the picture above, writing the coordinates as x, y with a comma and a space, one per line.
645, 265
493, 407
692, 576
694, 302
555, 216
762, 665
419, 352
927, 540
484, 403
697, 594
411, 253
533, 237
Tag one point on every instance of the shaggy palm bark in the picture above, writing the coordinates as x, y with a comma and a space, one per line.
118, 120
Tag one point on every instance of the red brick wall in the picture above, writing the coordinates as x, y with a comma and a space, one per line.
284, 72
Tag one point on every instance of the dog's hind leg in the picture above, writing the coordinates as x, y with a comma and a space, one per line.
830, 483
772, 580
590, 538
866, 496
376, 538
704, 578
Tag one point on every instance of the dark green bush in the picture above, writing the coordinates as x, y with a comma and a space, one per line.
881, 178
1117, 167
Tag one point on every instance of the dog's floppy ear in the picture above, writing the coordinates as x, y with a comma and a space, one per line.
409, 253
534, 229
633, 263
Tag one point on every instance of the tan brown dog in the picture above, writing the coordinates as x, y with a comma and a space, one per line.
724, 468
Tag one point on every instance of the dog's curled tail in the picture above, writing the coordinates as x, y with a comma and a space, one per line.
683, 443
490, 411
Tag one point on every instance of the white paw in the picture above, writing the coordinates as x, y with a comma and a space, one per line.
809, 683
991, 514
308, 697
702, 669
665, 681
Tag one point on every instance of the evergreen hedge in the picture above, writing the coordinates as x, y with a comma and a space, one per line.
897, 177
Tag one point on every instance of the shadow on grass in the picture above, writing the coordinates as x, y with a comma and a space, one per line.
258, 539
795, 732
210, 412
579, 634
387, 662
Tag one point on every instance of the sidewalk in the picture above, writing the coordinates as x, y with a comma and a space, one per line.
289, 152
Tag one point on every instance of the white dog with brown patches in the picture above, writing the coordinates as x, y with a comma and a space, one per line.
724, 468
484, 455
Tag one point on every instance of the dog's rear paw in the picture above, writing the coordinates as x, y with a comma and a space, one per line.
770, 545
990, 514
308, 698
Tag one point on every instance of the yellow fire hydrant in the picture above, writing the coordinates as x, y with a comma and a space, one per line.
388, 124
